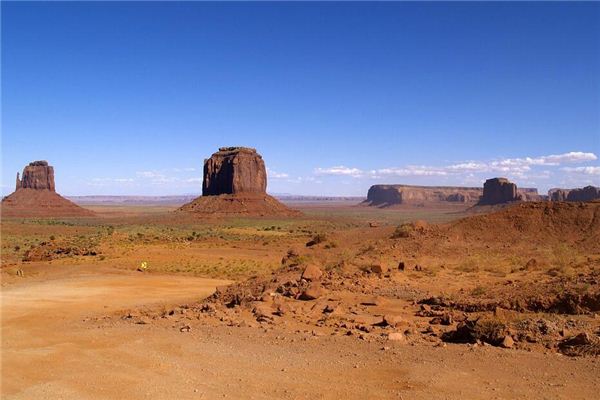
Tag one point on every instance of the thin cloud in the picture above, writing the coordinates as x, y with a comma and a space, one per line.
517, 167
276, 175
583, 170
340, 171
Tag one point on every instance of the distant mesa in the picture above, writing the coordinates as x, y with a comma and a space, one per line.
35, 196
390, 195
235, 183
495, 191
588, 193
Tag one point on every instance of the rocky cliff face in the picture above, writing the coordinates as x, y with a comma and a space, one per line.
498, 191
37, 175
587, 193
234, 170
558, 194
387, 195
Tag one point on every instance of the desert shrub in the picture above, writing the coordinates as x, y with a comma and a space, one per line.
402, 231
366, 249
468, 265
563, 255
490, 330
318, 238
478, 291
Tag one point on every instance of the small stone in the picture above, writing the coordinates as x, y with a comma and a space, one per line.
392, 320
312, 273
378, 269
396, 337
508, 342
314, 291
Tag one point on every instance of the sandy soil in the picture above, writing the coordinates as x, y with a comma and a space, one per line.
58, 343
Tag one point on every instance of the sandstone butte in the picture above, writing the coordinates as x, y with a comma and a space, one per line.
235, 183
499, 190
35, 196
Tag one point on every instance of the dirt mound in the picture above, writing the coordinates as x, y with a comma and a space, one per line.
539, 222
40, 203
247, 204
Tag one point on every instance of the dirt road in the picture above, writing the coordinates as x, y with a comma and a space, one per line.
55, 344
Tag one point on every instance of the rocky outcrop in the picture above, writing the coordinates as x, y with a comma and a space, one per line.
388, 195
587, 193
234, 170
499, 191
37, 175
495, 191
558, 194
35, 196
529, 194
235, 183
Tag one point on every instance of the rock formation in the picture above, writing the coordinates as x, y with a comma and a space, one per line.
35, 195
388, 195
587, 193
495, 191
37, 175
499, 191
234, 170
529, 194
558, 194
235, 183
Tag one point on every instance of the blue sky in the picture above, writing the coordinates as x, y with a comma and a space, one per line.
129, 98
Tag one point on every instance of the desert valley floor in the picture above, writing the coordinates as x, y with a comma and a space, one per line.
344, 301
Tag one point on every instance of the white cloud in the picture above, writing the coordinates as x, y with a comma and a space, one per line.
514, 167
411, 170
340, 170
571, 157
150, 174
187, 169
592, 170
276, 175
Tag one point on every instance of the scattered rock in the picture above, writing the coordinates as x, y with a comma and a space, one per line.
312, 273
396, 337
392, 320
507, 342
314, 291
378, 269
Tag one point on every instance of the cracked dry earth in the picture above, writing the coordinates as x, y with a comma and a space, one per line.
60, 340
